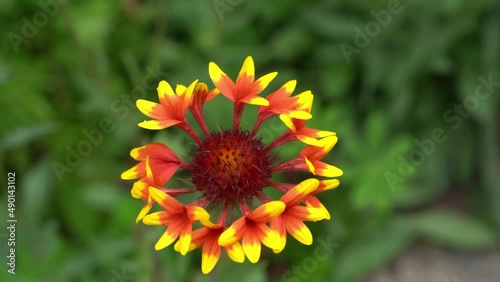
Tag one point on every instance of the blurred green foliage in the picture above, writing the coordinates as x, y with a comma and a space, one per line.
90, 60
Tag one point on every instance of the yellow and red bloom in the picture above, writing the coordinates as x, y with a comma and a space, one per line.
177, 217
246, 88
309, 159
296, 122
162, 160
292, 218
157, 164
171, 110
280, 103
201, 95
297, 130
207, 237
252, 229
230, 169
313, 201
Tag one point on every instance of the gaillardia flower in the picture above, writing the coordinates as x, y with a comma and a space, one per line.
230, 168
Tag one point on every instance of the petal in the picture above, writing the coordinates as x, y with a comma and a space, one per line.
149, 173
300, 115
147, 207
308, 140
157, 218
289, 86
310, 165
299, 124
155, 151
162, 171
161, 163
267, 211
254, 100
264, 81
278, 225
200, 235
247, 69
135, 172
318, 152
140, 189
164, 89
170, 204
210, 255
196, 213
323, 133
269, 238
328, 184
222, 81
185, 239
251, 246
280, 101
305, 100
295, 195
326, 170
310, 132
199, 96
288, 122
198, 238
215, 72
188, 92
233, 233
235, 252
307, 213
212, 94
191, 246
283, 93
299, 231
135, 153
179, 89
166, 239
314, 202
158, 124
152, 110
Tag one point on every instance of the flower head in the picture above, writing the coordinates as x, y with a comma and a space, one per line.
230, 168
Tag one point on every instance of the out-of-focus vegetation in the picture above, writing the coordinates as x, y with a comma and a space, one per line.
390, 79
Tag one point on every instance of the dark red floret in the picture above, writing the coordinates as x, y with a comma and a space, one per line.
231, 166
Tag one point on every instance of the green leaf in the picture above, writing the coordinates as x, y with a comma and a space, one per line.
82, 225
228, 271
370, 252
101, 196
24, 135
454, 230
37, 187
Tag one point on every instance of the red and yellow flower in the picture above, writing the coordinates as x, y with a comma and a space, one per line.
207, 237
291, 220
252, 230
230, 169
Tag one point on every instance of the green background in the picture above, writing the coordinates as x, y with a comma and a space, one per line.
383, 86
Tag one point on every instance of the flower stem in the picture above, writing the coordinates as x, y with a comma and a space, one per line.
189, 130
238, 111
223, 215
283, 187
245, 210
257, 125
178, 191
287, 136
198, 116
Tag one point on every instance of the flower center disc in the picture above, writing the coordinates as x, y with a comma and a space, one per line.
231, 166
